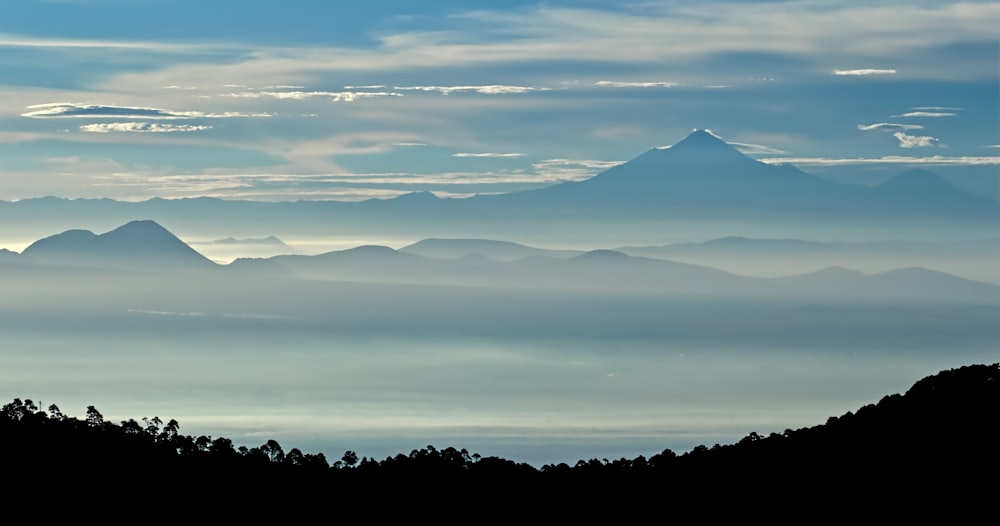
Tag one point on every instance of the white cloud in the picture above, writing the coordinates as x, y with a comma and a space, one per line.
756, 149
863, 72
914, 141
618, 84
888, 126
933, 160
336, 96
925, 114
9, 40
936, 108
562, 170
80, 110
488, 154
494, 89
899, 132
408, 144
141, 127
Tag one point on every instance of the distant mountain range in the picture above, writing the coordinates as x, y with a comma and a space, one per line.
147, 246
701, 178
971, 258
498, 250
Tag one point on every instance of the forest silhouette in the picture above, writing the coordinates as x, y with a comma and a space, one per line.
932, 449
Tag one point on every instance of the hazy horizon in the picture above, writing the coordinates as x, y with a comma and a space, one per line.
659, 224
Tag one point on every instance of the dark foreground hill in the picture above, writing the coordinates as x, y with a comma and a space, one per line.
933, 449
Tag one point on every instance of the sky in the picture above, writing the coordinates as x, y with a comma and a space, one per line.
304, 99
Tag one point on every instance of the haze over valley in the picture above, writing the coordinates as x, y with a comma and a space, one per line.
545, 231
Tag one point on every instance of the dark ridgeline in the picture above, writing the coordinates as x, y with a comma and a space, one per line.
933, 450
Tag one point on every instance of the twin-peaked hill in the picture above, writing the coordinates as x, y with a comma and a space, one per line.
138, 245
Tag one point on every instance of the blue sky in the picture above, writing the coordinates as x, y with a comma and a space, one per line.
316, 100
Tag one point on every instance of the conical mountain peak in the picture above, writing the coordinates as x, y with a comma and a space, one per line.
703, 138
702, 145
141, 229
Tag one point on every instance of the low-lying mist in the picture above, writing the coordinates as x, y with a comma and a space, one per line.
539, 376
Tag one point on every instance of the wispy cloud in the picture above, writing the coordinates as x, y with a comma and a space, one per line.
755, 149
889, 126
494, 89
9, 40
936, 108
488, 154
889, 159
336, 96
899, 132
618, 84
562, 170
140, 127
914, 141
932, 114
863, 72
79, 110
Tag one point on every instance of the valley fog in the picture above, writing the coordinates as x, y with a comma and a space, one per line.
533, 401
542, 378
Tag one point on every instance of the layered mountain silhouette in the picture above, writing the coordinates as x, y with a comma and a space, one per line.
969, 258
138, 245
455, 263
147, 246
492, 249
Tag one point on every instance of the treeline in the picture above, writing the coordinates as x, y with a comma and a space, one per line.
934, 444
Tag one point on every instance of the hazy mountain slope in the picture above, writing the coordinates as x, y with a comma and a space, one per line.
498, 250
972, 259
138, 245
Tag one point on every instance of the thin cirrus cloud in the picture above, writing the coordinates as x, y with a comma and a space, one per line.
755, 149
889, 126
933, 160
931, 114
492, 89
487, 155
562, 170
141, 127
71, 110
620, 84
336, 96
863, 72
